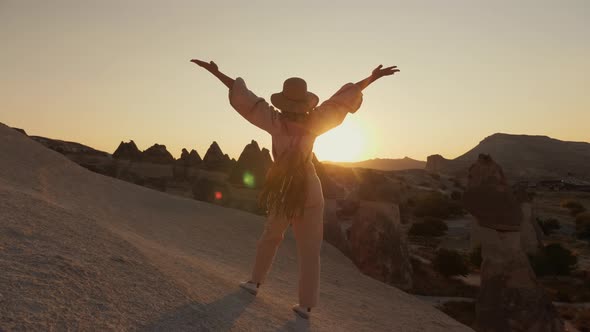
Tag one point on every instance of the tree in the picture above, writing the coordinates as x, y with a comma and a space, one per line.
553, 260
437, 205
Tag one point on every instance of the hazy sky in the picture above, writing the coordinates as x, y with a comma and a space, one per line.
98, 72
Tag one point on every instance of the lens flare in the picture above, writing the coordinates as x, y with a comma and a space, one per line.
249, 180
218, 195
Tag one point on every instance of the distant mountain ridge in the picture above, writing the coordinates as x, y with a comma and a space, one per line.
383, 164
523, 157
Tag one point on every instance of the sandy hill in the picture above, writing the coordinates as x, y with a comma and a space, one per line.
523, 157
81, 251
383, 164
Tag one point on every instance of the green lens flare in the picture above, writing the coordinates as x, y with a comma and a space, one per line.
249, 180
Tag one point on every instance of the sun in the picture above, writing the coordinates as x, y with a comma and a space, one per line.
346, 142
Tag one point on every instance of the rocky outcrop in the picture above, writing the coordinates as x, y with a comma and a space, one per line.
127, 151
372, 237
489, 198
215, 160
510, 298
252, 166
531, 235
85, 156
186, 167
213, 154
376, 186
69, 148
436, 163
189, 159
22, 131
84, 252
157, 154
531, 238
330, 188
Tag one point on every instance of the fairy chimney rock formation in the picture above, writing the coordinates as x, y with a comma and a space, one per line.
127, 151
372, 237
191, 159
436, 163
252, 166
158, 154
194, 158
489, 198
214, 158
510, 299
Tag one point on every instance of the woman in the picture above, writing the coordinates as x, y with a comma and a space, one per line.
292, 193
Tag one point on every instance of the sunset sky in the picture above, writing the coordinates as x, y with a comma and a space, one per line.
99, 72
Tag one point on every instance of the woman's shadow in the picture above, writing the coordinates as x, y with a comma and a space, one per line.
298, 324
219, 315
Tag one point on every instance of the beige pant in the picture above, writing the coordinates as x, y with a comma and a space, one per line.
308, 231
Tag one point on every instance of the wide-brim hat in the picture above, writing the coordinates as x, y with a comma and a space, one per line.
295, 97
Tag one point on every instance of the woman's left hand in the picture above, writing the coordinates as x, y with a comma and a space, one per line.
210, 66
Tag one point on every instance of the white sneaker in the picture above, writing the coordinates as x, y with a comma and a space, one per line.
250, 287
302, 311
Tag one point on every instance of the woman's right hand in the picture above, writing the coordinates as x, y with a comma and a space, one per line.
210, 66
380, 71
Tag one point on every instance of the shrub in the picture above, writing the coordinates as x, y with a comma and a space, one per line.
450, 263
475, 257
583, 225
437, 205
435, 176
549, 226
575, 207
430, 226
553, 260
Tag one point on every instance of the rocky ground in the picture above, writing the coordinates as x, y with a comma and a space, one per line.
81, 251
369, 217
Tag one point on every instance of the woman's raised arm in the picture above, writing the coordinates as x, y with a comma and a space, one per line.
213, 69
348, 99
377, 74
253, 108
